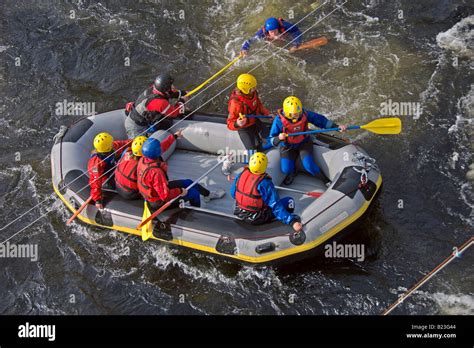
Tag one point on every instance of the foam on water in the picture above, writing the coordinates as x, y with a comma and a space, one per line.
459, 39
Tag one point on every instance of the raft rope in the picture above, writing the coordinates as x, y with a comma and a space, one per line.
338, 6
455, 254
62, 131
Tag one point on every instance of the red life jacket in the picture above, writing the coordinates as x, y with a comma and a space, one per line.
247, 195
249, 106
146, 191
289, 127
281, 28
126, 172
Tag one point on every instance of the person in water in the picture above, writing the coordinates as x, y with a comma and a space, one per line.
101, 162
257, 200
244, 100
152, 110
294, 119
153, 182
275, 30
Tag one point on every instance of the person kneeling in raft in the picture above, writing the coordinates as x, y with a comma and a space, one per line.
274, 30
293, 119
126, 171
103, 159
243, 101
153, 182
152, 110
257, 199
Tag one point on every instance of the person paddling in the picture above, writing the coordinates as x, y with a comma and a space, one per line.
103, 158
153, 182
292, 119
275, 29
257, 200
244, 100
152, 110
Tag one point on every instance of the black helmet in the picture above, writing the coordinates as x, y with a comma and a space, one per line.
163, 82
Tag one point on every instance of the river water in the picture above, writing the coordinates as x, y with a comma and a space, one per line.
378, 52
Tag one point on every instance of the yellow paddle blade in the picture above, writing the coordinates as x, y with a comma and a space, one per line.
392, 125
147, 230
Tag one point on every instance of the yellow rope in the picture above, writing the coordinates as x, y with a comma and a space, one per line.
214, 76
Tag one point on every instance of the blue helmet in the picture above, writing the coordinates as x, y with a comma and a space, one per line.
272, 24
151, 148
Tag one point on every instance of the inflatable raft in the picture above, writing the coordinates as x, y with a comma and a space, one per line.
355, 181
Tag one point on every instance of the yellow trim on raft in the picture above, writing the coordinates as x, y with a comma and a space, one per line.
250, 259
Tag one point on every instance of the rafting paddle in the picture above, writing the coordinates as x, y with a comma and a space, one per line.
213, 76
78, 211
392, 125
259, 116
147, 230
320, 41
167, 204
310, 194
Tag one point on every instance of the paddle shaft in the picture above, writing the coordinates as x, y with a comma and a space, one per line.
259, 116
213, 76
296, 191
322, 131
78, 211
167, 204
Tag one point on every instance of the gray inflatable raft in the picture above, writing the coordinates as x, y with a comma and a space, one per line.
213, 228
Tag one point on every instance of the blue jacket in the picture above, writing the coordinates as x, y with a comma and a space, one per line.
318, 120
291, 29
270, 198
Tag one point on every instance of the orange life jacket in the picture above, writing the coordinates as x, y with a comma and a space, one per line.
247, 195
289, 127
126, 172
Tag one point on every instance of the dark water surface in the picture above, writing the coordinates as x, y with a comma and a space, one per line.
373, 56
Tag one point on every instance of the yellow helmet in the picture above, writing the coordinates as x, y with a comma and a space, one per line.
103, 142
246, 82
258, 163
292, 105
137, 144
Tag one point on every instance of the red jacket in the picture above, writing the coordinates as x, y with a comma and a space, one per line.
247, 105
152, 177
164, 107
100, 164
126, 172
